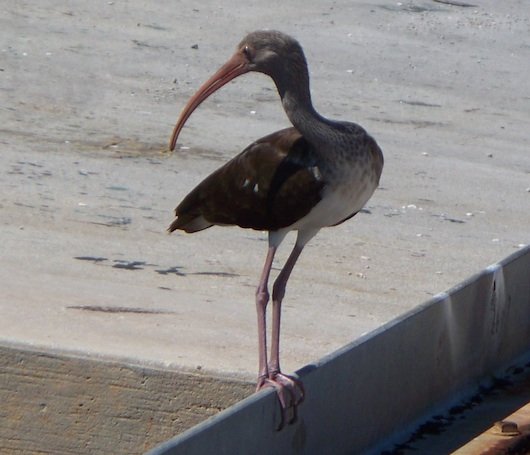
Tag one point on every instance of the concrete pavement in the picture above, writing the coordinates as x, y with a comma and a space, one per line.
89, 94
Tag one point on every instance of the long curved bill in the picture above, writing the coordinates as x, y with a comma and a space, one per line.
234, 67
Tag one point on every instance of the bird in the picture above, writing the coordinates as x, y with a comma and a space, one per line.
317, 173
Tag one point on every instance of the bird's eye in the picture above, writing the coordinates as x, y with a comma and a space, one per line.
247, 53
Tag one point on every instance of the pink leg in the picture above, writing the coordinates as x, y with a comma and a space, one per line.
262, 298
278, 292
290, 390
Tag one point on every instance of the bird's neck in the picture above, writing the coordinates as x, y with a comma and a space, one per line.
292, 82
299, 108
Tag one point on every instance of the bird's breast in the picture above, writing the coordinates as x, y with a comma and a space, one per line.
348, 188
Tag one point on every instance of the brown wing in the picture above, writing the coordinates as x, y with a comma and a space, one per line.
270, 185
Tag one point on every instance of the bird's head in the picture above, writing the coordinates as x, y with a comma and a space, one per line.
269, 52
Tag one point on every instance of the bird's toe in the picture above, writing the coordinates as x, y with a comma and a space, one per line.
290, 394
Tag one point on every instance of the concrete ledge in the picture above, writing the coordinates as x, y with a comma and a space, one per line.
64, 404
374, 391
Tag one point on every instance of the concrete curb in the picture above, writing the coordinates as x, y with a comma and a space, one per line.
67, 403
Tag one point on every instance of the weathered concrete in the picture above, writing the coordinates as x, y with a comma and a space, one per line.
89, 92
375, 391
88, 100
58, 403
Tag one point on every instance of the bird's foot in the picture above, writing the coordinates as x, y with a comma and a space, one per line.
294, 385
290, 393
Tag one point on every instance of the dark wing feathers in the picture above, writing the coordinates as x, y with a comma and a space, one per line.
270, 185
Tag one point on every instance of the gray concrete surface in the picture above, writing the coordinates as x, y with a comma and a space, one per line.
89, 93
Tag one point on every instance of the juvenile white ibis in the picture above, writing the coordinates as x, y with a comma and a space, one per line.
317, 174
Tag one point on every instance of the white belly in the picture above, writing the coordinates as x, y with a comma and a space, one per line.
339, 202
